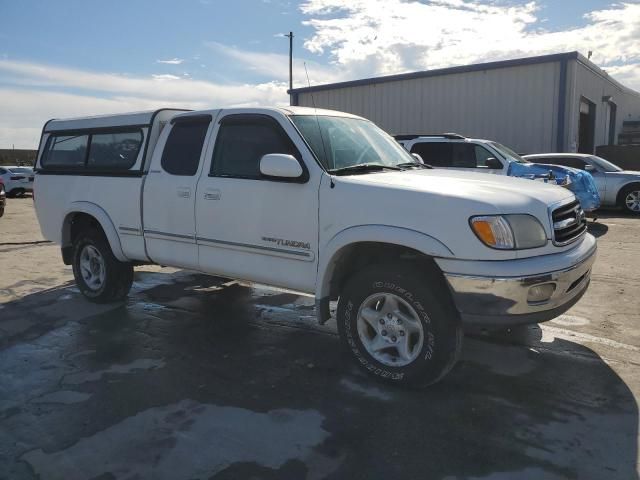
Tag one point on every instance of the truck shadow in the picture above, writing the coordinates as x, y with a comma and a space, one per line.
519, 404
597, 229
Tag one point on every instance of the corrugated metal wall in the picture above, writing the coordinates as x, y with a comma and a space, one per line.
591, 85
516, 105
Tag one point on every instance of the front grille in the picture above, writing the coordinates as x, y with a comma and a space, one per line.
569, 222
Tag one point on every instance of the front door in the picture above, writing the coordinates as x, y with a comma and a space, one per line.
251, 227
170, 192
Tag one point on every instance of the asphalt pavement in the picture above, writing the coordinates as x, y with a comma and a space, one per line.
198, 377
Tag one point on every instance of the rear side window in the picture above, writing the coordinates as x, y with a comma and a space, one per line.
434, 153
114, 151
464, 155
243, 140
65, 151
181, 155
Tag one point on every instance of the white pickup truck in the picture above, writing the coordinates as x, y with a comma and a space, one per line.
320, 202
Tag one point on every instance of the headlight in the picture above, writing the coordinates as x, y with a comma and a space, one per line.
509, 232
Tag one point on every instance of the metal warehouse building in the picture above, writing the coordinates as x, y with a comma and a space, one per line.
561, 102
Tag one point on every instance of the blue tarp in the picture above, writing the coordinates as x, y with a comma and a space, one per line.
581, 182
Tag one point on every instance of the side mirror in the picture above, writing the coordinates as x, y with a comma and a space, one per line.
418, 158
280, 165
493, 163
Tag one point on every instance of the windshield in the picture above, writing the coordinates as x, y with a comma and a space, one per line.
508, 153
20, 170
604, 165
340, 142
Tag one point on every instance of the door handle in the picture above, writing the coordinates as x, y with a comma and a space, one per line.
212, 195
184, 192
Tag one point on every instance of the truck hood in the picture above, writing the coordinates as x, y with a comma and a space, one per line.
439, 203
501, 191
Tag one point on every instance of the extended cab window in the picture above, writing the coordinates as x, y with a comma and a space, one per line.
243, 140
181, 155
65, 151
114, 151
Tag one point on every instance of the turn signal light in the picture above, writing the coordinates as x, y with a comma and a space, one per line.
493, 231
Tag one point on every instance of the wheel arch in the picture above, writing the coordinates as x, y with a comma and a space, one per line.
357, 246
624, 188
83, 213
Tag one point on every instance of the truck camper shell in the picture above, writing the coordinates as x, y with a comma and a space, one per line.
150, 123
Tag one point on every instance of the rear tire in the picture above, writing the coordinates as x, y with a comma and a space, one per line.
629, 199
100, 276
400, 324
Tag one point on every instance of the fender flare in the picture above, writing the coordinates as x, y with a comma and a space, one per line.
624, 187
102, 218
372, 233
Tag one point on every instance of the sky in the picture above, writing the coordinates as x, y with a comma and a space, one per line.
85, 57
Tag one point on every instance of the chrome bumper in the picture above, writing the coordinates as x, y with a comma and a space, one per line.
504, 301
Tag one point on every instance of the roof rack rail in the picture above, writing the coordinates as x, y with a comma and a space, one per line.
456, 136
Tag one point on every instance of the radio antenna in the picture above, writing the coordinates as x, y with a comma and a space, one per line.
315, 110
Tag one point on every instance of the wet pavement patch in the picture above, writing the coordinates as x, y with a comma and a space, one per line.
191, 379
186, 440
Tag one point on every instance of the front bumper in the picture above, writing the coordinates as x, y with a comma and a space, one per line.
497, 300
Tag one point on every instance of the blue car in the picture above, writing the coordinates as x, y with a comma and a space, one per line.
453, 151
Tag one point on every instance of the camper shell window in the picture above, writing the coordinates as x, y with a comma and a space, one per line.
65, 151
114, 150
104, 150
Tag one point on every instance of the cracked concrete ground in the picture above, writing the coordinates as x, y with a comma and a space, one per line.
193, 377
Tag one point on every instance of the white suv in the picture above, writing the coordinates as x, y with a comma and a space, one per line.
453, 151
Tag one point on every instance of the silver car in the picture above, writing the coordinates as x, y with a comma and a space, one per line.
616, 187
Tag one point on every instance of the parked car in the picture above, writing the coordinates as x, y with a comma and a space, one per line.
454, 151
321, 202
17, 180
617, 187
3, 198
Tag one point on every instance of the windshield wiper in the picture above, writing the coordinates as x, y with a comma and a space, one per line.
414, 164
362, 168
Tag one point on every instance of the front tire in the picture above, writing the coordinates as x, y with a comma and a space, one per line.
100, 276
399, 323
630, 199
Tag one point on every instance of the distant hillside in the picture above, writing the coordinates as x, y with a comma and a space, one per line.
17, 157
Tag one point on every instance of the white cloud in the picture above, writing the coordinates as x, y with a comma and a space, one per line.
40, 92
276, 65
628, 74
165, 76
372, 37
173, 61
